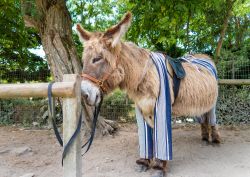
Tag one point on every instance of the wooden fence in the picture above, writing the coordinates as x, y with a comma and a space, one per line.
234, 81
70, 91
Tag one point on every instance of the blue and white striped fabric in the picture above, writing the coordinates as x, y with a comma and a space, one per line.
210, 67
211, 116
145, 133
202, 62
157, 142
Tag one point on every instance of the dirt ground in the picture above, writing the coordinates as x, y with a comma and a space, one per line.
114, 156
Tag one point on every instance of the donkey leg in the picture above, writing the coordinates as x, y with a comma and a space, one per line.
160, 167
145, 142
214, 128
143, 164
203, 120
215, 135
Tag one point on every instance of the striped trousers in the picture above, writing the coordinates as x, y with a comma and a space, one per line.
149, 148
153, 143
210, 115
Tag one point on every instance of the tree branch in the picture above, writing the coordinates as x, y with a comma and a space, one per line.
229, 4
30, 22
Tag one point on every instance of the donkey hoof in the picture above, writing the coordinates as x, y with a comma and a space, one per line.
159, 173
205, 138
141, 168
142, 165
205, 143
216, 141
215, 135
159, 164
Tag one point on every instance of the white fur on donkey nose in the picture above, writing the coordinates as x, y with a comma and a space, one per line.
90, 92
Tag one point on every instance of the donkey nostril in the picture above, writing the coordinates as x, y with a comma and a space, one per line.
96, 98
85, 95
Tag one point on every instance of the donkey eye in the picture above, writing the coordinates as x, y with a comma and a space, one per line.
96, 59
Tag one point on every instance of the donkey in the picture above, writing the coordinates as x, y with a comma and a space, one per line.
110, 63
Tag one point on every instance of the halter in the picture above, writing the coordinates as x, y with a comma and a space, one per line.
100, 82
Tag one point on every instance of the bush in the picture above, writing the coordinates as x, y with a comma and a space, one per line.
233, 106
117, 106
6, 112
24, 111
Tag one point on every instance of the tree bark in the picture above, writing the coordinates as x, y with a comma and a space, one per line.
187, 30
56, 35
229, 4
54, 25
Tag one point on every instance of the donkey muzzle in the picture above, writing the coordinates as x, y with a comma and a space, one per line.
90, 93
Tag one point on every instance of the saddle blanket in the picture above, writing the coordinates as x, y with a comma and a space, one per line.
206, 63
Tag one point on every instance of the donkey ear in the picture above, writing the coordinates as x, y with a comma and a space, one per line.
83, 34
116, 32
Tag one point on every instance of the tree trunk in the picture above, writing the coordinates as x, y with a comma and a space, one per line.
229, 4
187, 30
241, 26
56, 34
55, 29
238, 32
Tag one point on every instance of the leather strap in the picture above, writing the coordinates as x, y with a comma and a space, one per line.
91, 78
177, 82
92, 134
52, 115
51, 102
99, 83
178, 73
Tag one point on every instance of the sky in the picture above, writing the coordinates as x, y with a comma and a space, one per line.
38, 51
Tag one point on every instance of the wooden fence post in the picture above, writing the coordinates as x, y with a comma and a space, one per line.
72, 164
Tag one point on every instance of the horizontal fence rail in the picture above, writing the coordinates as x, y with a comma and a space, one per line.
234, 81
59, 89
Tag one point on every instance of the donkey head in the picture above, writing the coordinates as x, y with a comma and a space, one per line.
101, 71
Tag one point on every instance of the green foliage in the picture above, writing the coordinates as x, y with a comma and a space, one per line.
93, 15
180, 26
175, 27
235, 64
117, 106
6, 112
174, 24
15, 41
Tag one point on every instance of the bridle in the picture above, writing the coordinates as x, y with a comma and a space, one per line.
98, 82
101, 82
